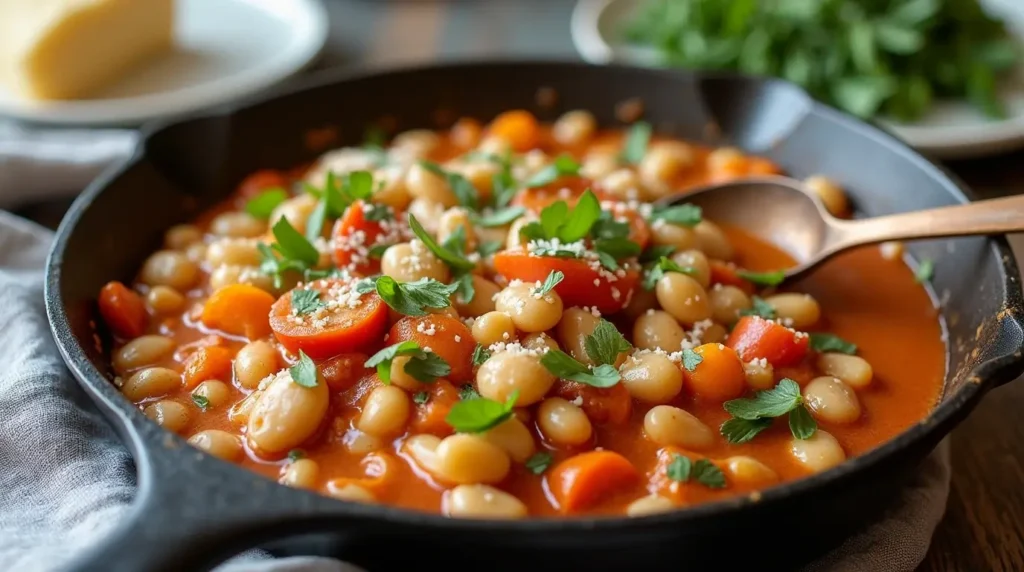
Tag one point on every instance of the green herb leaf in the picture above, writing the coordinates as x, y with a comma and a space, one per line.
708, 474
763, 278
467, 392
679, 468
617, 248
201, 401
539, 462
378, 213
682, 215
655, 253
465, 291
480, 355
306, 301
636, 143
293, 245
583, 216
499, 217
304, 371
262, 205
759, 308
423, 366
691, 359
553, 279
377, 251
295, 455
412, 298
664, 264
480, 414
564, 366
925, 271
607, 227
801, 424
421, 398
829, 343
737, 431
774, 402
456, 241
426, 367
464, 191
454, 260
605, 344
563, 166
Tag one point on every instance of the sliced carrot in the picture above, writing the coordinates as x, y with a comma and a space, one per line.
240, 310
447, 337
518, 127
208, 362
123, 310
340, 330
719, 376
583, 285
754, 337
582, 480
354, 235
261, 181
601, 404
343, 371
430, 415
726, 273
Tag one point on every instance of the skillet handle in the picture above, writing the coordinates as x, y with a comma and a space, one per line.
193, 511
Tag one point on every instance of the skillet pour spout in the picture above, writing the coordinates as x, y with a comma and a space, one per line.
193, 511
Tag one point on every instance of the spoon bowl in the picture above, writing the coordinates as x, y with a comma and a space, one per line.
783, 212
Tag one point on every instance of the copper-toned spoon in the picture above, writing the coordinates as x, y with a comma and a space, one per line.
781, 211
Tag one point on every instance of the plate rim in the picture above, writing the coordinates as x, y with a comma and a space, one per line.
311, 19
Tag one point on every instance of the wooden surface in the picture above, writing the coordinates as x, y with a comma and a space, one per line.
984, 524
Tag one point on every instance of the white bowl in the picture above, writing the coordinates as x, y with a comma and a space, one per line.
951, 129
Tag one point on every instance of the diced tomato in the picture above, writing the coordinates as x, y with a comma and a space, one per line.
754, 337
601, 404
341, 329
725, 273
354, 235
447, 337
430, 415
583, 480
123, 310
343, 371
582, 285
261, 181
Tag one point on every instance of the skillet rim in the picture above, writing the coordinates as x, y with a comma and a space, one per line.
942, 419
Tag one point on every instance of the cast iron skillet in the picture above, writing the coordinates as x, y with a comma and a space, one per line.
193, 510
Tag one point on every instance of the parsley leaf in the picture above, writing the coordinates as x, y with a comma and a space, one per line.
830, 343
681, 215
504, 185
201, 401
664, 264
925, 271
455, 260
773, 402
563, 166
553, 279
489, 247
411, 298
306, 301
636, 143
467, 392
499, 217
615, 249
423, 366
564, 366
605, 344
759, 308
763, 278
377, 213
262, 205
737, 431
461, 187
801, 424
480, 355
465, 291
480, 414
421, 398
679, 468
295, 455
654, 253
378, 251
607, 227
456, 241
583, 216
304, 371
691, 359
682, 469
539, 462
292, 245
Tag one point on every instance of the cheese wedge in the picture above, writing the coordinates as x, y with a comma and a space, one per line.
70, 49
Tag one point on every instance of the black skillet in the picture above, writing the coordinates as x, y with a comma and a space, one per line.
193, 511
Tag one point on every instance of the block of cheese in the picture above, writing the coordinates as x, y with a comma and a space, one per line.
70, 49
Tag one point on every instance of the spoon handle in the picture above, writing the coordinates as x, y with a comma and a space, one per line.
995, 216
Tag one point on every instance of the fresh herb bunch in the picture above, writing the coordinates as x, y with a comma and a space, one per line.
868, 57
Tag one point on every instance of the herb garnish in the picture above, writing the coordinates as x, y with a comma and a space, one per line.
759, 307
563, 166
655, 271
455, 260
681, 215
603, 347
556, 221
464, 191
262, 205
423, 366
553, 279
539, 462
480, 414
409, 298
201, 401
467, 392
304, 371
335, 197
830, 343
691, 359
306, 301
925, 271
763, 278
682, 469
421, 398
480, 355
635, 148
753, 415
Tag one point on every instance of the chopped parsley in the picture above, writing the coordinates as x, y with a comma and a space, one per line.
680, 215
335, 197
201, 401
539, 462
480, 355
421, 398
499, 217
657, 270
925, 271
489, 247
262, 205
635, 148
691, 359
763, 278
553, 279
655, 252
409, 298
291, 252
423, 366
603, 347
563, 166
461, 187
557, 221
752, 415
295, 455
467, 392
306, 301
605, 344
682, 469
480, 414
759, 307
455, 260
304, 371
830, 343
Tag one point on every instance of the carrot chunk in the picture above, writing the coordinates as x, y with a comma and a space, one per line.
123, 310
754, 337
209, 362
431, 414
343, 329
518, 127
719, 376
240, 310
447, 337
582, 480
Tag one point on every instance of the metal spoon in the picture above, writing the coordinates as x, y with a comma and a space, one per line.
781, 211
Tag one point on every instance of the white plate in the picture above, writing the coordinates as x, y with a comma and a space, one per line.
224, 49
952, 129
